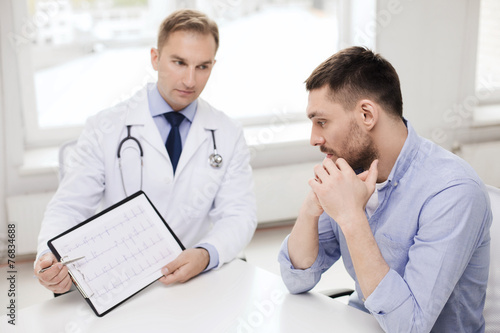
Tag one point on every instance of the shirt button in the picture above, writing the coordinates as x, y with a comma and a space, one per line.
396, 184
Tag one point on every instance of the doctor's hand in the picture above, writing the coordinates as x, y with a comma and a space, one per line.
56, 279
343, 194
188, 264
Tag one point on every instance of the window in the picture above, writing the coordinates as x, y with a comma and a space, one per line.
87, 55
488, 64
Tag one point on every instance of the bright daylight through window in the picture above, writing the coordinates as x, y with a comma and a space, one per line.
488, 63
90, 54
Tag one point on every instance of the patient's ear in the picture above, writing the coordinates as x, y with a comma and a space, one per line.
369, 112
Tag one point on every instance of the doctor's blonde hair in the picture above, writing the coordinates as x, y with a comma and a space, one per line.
187, 20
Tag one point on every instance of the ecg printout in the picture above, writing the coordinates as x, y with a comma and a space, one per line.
124, 249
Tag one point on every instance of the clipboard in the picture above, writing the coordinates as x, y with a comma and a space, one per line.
125, 247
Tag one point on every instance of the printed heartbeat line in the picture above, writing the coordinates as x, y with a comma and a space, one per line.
121, 227
136, 256
116, 282
111, 262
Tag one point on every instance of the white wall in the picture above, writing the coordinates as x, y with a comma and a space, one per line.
432, 45
2, 158
11, 128
14, 55
3, 136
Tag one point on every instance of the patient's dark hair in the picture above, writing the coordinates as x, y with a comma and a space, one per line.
356, 73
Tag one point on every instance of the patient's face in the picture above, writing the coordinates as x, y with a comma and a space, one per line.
337, 131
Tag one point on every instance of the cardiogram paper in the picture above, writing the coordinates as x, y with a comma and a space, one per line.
124, 248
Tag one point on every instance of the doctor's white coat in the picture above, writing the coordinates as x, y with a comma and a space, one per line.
201, 204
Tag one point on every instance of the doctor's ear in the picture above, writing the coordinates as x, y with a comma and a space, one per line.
369, 113
155, 56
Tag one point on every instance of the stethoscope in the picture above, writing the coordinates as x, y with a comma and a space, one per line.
141, 153
215, 159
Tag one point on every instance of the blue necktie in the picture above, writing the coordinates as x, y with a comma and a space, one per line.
174, 143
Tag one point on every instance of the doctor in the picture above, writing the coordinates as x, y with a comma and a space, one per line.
205, 195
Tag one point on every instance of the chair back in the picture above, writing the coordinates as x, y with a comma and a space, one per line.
64, 157
492, 306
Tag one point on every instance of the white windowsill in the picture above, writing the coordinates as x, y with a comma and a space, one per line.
486, 115
40, 161
270, 145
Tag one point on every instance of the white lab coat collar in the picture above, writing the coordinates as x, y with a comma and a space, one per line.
203, 122
138, 115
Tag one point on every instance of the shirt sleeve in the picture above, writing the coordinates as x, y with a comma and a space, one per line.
302, 280
452, 225
213, 254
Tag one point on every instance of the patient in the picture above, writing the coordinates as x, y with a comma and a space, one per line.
409, 219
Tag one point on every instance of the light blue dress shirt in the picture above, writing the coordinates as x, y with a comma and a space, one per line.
157, 107
432, 228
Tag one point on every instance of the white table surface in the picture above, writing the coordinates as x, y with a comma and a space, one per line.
239, 297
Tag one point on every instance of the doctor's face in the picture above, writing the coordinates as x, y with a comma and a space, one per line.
184, 65
338, 132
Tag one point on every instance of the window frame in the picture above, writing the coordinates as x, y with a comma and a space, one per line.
37, 137
485, 97
19, 40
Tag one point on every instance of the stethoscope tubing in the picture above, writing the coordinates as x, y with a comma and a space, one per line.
215, 159
118, 154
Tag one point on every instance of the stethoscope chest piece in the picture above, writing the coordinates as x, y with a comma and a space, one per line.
215, 160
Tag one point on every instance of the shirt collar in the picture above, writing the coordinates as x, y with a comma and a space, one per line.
158, 106
407, 154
